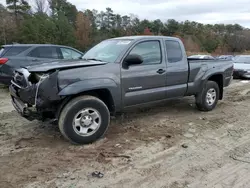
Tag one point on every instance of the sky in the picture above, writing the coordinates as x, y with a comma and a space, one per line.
204, 11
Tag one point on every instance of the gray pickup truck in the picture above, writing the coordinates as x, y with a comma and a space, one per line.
113, 76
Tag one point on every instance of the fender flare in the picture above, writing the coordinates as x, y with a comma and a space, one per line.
94, 84
206, 77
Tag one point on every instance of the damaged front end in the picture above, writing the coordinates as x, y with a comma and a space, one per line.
35, 95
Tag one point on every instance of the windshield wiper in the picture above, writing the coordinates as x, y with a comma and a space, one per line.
94, 59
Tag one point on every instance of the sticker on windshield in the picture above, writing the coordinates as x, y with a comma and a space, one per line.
123, 42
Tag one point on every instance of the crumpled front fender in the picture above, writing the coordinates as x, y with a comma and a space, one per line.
87, 85
94, 84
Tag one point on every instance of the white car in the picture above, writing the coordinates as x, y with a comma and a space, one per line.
242, 66
201, 57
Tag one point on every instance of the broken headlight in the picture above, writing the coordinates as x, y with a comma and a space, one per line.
37, 77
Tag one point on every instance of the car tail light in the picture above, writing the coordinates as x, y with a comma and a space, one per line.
3, 60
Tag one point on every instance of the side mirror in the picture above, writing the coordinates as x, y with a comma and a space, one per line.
133, 59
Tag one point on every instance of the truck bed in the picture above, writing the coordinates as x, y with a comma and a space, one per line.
198, 69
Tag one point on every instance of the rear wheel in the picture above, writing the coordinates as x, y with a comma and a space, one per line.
84, 119
207, 99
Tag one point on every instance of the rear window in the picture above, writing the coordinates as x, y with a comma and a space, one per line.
12, 51
3, 50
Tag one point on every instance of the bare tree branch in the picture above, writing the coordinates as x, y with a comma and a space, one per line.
41, 6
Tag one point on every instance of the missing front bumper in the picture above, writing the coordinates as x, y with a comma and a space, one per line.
37, 101
27, 112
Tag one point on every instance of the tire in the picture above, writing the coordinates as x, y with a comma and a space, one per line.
201, 99
86, 107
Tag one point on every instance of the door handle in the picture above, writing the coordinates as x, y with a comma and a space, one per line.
34, 59
161, 71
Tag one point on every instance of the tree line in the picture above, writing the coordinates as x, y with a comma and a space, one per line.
59, 22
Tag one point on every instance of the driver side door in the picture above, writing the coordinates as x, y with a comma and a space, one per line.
145, 82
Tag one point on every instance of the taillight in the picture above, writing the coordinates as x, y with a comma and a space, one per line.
3, 60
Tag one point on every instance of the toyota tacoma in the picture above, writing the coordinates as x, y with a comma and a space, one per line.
115, 75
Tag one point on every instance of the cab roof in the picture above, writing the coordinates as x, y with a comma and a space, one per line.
139, 37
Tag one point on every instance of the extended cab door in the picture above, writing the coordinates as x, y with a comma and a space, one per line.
177, 68
145, 82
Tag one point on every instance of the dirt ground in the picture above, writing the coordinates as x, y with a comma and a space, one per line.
172, 145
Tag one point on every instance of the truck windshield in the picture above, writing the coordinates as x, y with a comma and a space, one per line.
107, 51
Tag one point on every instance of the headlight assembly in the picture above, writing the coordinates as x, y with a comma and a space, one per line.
37, 77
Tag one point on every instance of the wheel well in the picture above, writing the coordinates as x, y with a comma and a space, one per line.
218, 78
104, 95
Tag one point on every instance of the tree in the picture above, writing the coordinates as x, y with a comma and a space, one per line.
83, 30
38, 29
64, 8
8, 27
100, 20
3, 21
191, 45
63, 24
238, 41
135, 25
64, 30
172, 27
157, 26
210, 44
109, 18
117, 21
41, 6
3, 16
92, 16
19, 7
44, 29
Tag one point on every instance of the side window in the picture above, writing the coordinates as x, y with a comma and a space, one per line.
174, 52
45, 52
70, 54
34, 53
150, 52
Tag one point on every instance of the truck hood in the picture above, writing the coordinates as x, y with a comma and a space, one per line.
242, 66
64, 64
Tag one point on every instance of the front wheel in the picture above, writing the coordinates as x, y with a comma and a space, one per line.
207, 99
84, 119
